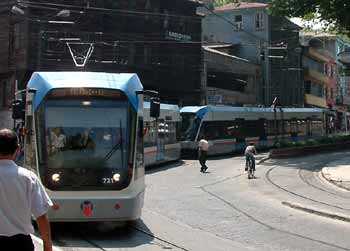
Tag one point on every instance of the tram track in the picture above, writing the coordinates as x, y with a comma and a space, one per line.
306, 180
158, 238
268, 226
269, 179
91, 241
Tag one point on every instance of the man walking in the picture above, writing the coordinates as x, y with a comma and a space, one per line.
203, 147
21, 197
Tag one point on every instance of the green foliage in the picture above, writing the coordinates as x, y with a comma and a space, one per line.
313, 142
336, 13
310, 142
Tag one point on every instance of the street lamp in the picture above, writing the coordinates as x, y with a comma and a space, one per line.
16, 10
273, 106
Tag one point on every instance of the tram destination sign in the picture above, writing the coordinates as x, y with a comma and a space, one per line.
85, 92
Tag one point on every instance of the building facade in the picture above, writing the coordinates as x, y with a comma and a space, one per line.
230, 80
158, 40
325, 85
262, 39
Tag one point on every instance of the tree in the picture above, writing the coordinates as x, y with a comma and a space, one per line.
335, 12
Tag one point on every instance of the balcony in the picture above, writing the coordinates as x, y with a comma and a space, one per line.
315, 101
316, 77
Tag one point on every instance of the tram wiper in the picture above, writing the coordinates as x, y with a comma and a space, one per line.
117, 146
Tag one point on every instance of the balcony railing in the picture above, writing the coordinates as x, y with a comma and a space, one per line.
316, 54
315, 101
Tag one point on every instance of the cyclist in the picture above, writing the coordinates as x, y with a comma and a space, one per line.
249, 153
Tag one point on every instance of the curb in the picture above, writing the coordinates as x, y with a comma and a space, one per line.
318, 212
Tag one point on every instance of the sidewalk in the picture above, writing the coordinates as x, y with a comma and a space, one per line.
338, 173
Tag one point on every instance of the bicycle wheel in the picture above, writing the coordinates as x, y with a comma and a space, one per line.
250, 168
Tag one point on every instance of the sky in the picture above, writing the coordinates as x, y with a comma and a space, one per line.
314, 25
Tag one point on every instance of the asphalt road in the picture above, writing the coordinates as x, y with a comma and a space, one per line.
223, 210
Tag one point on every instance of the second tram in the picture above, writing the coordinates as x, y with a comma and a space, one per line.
229, 129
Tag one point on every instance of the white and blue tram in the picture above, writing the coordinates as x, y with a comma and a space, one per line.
84, 139
162, 135
229, 129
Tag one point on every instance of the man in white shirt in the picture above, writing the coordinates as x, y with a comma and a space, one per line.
21, 197
203, 147
249, 153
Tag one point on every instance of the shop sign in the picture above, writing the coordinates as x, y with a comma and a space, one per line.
177, 36
212, 99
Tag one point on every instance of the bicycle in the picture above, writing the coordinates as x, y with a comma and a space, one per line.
251, 168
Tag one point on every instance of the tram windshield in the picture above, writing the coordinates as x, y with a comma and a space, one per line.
189, 126
86, 139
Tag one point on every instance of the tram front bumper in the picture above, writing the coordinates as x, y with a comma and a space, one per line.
96, 209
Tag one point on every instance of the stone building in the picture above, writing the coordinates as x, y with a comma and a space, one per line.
158, 40
260, 38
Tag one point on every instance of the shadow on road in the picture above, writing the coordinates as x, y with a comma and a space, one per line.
165, 167
89, 234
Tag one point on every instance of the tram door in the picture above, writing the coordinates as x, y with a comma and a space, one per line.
261, 127
161, 140
240, 135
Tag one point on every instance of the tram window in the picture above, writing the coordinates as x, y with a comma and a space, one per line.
302, 127
208, 131
239, 131
234, 129
254, 128
271, 127
178, 131
171, 134
189, 126
287, 127
317, 128
150, 137
228, 134
294, 126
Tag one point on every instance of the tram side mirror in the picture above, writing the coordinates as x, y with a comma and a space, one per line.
18, 110
155, 108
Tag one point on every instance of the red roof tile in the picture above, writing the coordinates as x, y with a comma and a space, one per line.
240, 5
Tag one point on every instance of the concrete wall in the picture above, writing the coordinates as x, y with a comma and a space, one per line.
217, 30
231, 97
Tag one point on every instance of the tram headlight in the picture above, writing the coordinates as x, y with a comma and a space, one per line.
116, 177
56, 177
86, 103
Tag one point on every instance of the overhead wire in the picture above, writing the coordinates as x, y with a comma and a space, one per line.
88, 7
34, 4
